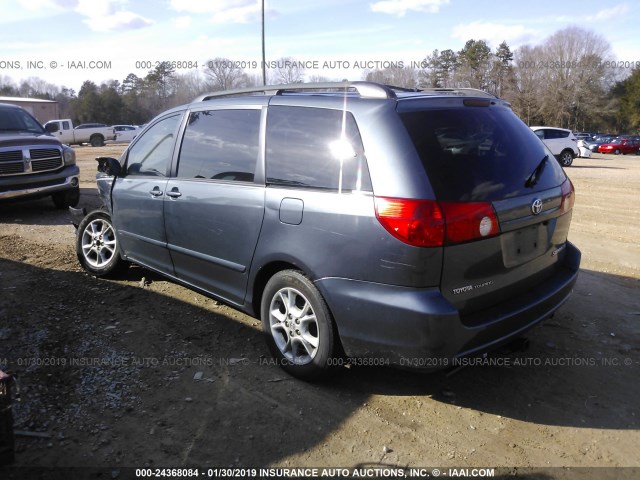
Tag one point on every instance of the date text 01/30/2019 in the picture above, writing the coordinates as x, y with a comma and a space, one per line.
372, 472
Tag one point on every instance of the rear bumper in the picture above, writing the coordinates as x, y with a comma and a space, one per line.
420, 328
41, 184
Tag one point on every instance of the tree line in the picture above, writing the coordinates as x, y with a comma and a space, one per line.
570, 80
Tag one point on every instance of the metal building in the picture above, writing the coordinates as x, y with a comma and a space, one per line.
43, 110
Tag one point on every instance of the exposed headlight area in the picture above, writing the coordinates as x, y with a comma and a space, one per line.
69, 155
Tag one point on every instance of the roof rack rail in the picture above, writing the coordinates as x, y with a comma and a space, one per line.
403, 89
475, 92
364, 89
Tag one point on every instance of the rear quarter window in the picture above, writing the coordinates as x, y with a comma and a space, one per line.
553, 134
299, 149
479, 153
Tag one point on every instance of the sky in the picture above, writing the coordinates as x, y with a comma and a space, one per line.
66, 42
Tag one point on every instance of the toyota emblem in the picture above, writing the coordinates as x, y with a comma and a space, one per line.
536, 206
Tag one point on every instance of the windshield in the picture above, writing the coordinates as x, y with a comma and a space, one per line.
474, 154
16, 120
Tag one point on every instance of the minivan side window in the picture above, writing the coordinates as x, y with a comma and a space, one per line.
304, 146
151, 154
221, 145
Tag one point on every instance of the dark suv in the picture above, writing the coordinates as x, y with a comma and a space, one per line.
356, 220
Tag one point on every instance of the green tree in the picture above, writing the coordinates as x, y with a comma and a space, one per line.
65, 99
627, 94
136, 110
501, 74
440, 68
87, 106
132, 83
474, 60
160, 84
112, 103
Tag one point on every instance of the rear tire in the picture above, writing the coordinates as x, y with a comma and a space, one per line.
97, 141
566, 158
97, 247
298, 325
616, 151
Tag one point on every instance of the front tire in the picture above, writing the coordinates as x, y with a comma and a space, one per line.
97, 247
566, 158
298, 325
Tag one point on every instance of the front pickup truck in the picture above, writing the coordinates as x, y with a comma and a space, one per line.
34, 164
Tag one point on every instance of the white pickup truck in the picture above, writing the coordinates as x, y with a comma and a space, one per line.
94, 134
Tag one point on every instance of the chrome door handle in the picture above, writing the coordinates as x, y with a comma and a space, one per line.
174, 194
156, 192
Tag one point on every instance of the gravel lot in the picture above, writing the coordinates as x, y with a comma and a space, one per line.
140, 372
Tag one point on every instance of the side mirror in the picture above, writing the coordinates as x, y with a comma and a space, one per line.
109, 166
51, 127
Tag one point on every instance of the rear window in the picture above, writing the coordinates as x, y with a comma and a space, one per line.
480, 153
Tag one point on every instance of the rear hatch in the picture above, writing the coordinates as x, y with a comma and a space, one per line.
505, 201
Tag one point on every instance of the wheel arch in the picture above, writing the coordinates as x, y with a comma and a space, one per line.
262, 277
260, 282
568, 150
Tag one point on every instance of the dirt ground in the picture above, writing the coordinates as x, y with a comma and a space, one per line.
140, 372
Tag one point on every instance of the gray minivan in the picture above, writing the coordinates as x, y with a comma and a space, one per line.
359, 222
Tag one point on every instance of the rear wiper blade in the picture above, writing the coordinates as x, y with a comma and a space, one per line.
535, 175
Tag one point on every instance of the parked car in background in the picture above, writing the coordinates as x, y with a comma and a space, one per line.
394, 227
620, 146
583, 148
93, 133
125, 133
562, 143
584, 135
594, 144
33, 163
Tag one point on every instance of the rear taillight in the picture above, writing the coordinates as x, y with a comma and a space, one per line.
469, 221
568, 196
416, 222
427, 223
